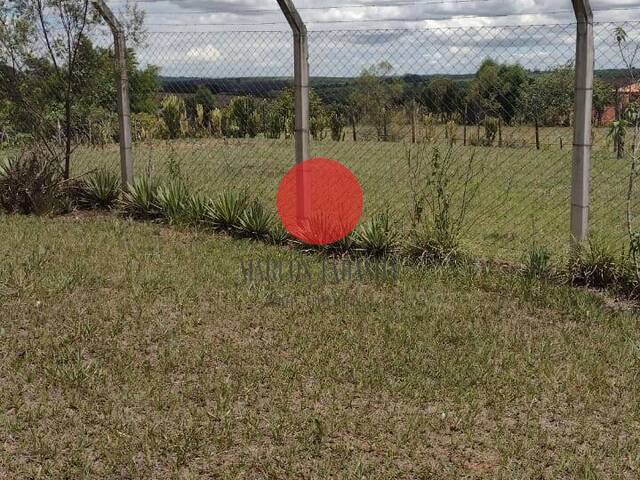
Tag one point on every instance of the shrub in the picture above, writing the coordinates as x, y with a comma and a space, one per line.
100, 189
140, 198
595, 265
377, 237
199, 119
442, 191
31, 183
174, 116
215, 119
430, 246
274, 122
226, 210
243, 115
255, 221
429, 123
145, 127
451, 132
491, 125
172, 201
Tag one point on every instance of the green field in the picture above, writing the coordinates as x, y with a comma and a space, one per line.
523, 193
131, 350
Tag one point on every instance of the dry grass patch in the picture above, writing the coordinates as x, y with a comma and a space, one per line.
132, 351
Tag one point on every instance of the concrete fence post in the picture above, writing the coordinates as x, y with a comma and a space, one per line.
582, 142
122, 83
301, 78
302, 112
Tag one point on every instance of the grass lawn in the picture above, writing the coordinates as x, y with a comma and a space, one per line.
522, 194
131, 350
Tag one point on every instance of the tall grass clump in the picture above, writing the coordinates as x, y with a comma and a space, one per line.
595, 265
538, 263
278, 235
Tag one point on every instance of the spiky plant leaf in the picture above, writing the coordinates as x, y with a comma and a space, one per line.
140, 198
172, 201
196, 209
255, 220
100, 189
226, 210
377, 237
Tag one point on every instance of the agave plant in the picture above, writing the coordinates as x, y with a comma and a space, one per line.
344, 244
255, 221
226, 210
196, 209
140, 198
100, 190
278, 234
172, 201
377, 237
31, 182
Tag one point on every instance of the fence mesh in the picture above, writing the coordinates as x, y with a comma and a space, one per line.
496, 103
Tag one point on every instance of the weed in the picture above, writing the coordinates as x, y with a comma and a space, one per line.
538, 263
595, 265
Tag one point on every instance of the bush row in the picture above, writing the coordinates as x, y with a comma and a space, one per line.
32, 184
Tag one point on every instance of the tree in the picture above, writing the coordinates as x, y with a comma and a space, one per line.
496, 90
284, 109
548, 99
62, 28
375, 95
143, 86
443, 97
604, 95
204, 97
618, 132
354, 112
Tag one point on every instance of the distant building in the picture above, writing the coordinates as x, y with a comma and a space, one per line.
624, 95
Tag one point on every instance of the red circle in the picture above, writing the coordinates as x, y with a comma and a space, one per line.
319, 201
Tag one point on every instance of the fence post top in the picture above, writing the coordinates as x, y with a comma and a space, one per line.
293, 17
108, 16
583, 11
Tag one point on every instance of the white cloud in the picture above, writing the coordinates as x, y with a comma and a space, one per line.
228, 38
207, 53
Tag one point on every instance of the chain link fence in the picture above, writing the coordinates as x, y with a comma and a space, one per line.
495, 103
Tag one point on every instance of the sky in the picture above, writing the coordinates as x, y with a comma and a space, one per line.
229, 38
